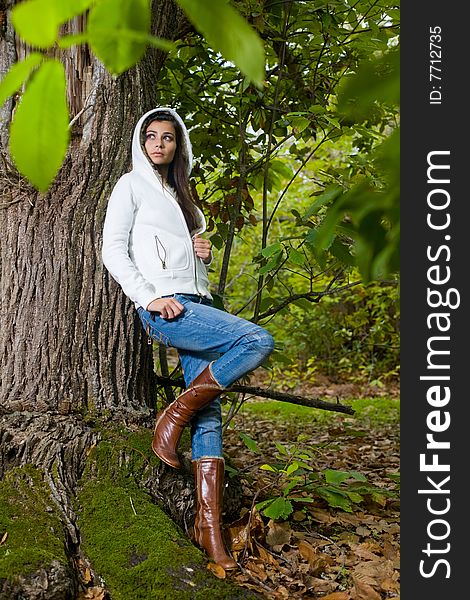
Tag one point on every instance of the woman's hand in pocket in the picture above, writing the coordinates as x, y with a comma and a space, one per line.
169, 308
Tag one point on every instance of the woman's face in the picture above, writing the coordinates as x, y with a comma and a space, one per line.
160, 142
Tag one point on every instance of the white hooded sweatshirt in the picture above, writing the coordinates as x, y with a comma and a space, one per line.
147, 247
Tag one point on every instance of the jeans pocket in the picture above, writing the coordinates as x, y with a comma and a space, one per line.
150, 322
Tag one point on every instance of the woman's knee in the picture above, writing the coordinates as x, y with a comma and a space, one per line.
263, 341
268, 341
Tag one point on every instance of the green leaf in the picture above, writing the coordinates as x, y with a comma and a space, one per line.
280, 508
355, 497
67, 9
332, 121
341, 252
377, 80
228, 33
38, 21
217, 241
35, 22
272, 263
39, 132
67, 41
301, 499
304, 465
379, 498
118, 32
336, 477
394, 477
331, 193
17, 75
249, 442
281, 449
280, 168
357, 476
293, 483
296, 257
299, 124
303, 303
292, 468
266, 303
269, 468
231, 471
218, 302
272, 249
263, 503
335, 499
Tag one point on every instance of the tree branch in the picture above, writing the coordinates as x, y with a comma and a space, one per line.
272, 394
310, 296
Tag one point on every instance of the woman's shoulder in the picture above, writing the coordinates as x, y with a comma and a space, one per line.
122, 184
128, 184
122, 193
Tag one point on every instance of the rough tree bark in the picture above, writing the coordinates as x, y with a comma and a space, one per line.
71, 352
67, 337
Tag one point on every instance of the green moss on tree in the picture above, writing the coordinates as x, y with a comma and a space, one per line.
29, 517
132, 544
137, 550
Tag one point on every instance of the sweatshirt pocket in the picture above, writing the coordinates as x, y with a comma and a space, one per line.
171, 254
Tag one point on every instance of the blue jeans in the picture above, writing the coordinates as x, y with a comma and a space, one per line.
203, 334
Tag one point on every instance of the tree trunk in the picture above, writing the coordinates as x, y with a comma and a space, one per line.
72, 352
68, 337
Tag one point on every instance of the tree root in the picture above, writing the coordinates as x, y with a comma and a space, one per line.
79, 509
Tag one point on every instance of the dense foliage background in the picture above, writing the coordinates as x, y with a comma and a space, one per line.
296, 161
300, 181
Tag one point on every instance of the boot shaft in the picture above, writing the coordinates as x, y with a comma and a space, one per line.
209, 482
171, 422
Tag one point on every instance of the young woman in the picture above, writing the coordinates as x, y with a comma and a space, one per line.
153, 248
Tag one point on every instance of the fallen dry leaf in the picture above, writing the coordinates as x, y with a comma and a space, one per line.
322, 516
85, 572
317, 560
307, 551
337, 596
4, 538
373, 572
281, 592
320, 585
350, 519
257, 569
363, 591
362, 551
278, 534
391, 585
264, 555
217, 570
392, 553
243, 530
93, 593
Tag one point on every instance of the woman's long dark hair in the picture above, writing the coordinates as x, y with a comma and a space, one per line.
178, 176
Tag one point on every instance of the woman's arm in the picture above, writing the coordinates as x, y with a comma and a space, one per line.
115, 250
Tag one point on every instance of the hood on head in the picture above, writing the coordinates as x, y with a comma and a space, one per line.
140, 161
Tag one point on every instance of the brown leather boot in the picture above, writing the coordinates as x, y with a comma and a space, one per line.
209, 479
171, 421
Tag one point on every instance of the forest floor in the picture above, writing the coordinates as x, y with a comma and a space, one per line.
316, 549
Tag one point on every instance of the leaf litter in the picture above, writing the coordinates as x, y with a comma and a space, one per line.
317, 551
